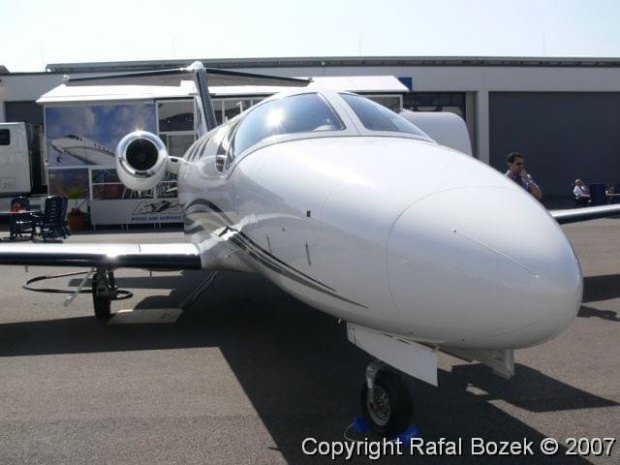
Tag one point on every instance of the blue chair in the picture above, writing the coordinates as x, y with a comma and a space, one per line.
51, 223
597, 194
20, 223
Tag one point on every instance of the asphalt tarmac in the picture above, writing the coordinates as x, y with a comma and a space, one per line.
249, 375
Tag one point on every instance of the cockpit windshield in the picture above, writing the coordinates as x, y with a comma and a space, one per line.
288, 115
378, 118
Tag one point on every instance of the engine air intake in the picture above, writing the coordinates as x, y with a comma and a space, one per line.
142, 154
141, 160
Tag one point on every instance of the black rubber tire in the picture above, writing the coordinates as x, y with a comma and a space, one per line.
100, 304
391, 417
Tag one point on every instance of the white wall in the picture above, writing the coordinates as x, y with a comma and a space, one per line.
473, 78
28, 87
25, 87
478, 80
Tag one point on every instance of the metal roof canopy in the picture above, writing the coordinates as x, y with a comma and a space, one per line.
356, 84
68, 94
369, 61
108, 93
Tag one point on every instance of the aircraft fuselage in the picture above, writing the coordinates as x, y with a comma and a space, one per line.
391, 232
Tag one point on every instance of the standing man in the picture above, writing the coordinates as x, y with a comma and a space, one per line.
582, 196
517, 173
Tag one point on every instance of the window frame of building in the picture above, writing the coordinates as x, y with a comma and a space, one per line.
445, 101
5, 137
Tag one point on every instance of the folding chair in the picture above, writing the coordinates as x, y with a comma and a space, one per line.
51, 222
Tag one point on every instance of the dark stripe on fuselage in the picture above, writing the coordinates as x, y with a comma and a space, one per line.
290, 273
250, 243
273, 257
212, 206
258, 253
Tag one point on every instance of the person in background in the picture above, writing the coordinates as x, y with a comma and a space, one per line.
516, 172
611, 195
580, 191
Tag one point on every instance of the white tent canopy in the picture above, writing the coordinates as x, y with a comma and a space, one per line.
109, 93
69, 94
356, 84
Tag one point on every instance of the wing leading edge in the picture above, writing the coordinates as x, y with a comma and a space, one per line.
177, 256
575, 215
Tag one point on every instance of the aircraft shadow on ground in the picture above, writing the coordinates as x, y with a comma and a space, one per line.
87, 334
529, 389
157, 281
600, 288
604, 287
301, 374
589, 312
303, 378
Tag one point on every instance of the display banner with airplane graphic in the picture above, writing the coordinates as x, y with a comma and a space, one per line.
88, 135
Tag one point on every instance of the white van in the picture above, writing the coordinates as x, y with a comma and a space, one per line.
20, 159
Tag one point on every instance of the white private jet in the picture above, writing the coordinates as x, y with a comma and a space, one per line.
358, 213
83, 150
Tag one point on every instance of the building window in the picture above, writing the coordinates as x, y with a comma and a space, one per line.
393, 102
106, 185
176, 125
177, 144
453, 102
175, 115
227, 108
5, 137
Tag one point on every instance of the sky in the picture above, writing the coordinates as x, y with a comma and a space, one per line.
35, 33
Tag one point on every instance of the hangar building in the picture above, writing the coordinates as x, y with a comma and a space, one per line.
562, 113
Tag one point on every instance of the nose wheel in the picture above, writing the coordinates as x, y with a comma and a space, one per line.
385, 400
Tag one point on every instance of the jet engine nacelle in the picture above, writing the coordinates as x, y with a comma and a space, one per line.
141, 160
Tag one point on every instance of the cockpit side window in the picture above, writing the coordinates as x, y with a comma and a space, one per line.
191, 153
378, 118
289, 115
195, 150
224, 141
224, 155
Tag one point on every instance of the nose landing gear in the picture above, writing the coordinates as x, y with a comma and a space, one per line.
385, 400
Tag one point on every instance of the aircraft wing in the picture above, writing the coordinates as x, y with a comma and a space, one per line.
177, 256
575, 215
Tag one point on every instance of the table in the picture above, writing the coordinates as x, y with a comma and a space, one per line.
20, 222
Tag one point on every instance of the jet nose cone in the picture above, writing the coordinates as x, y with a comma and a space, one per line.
482, 267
